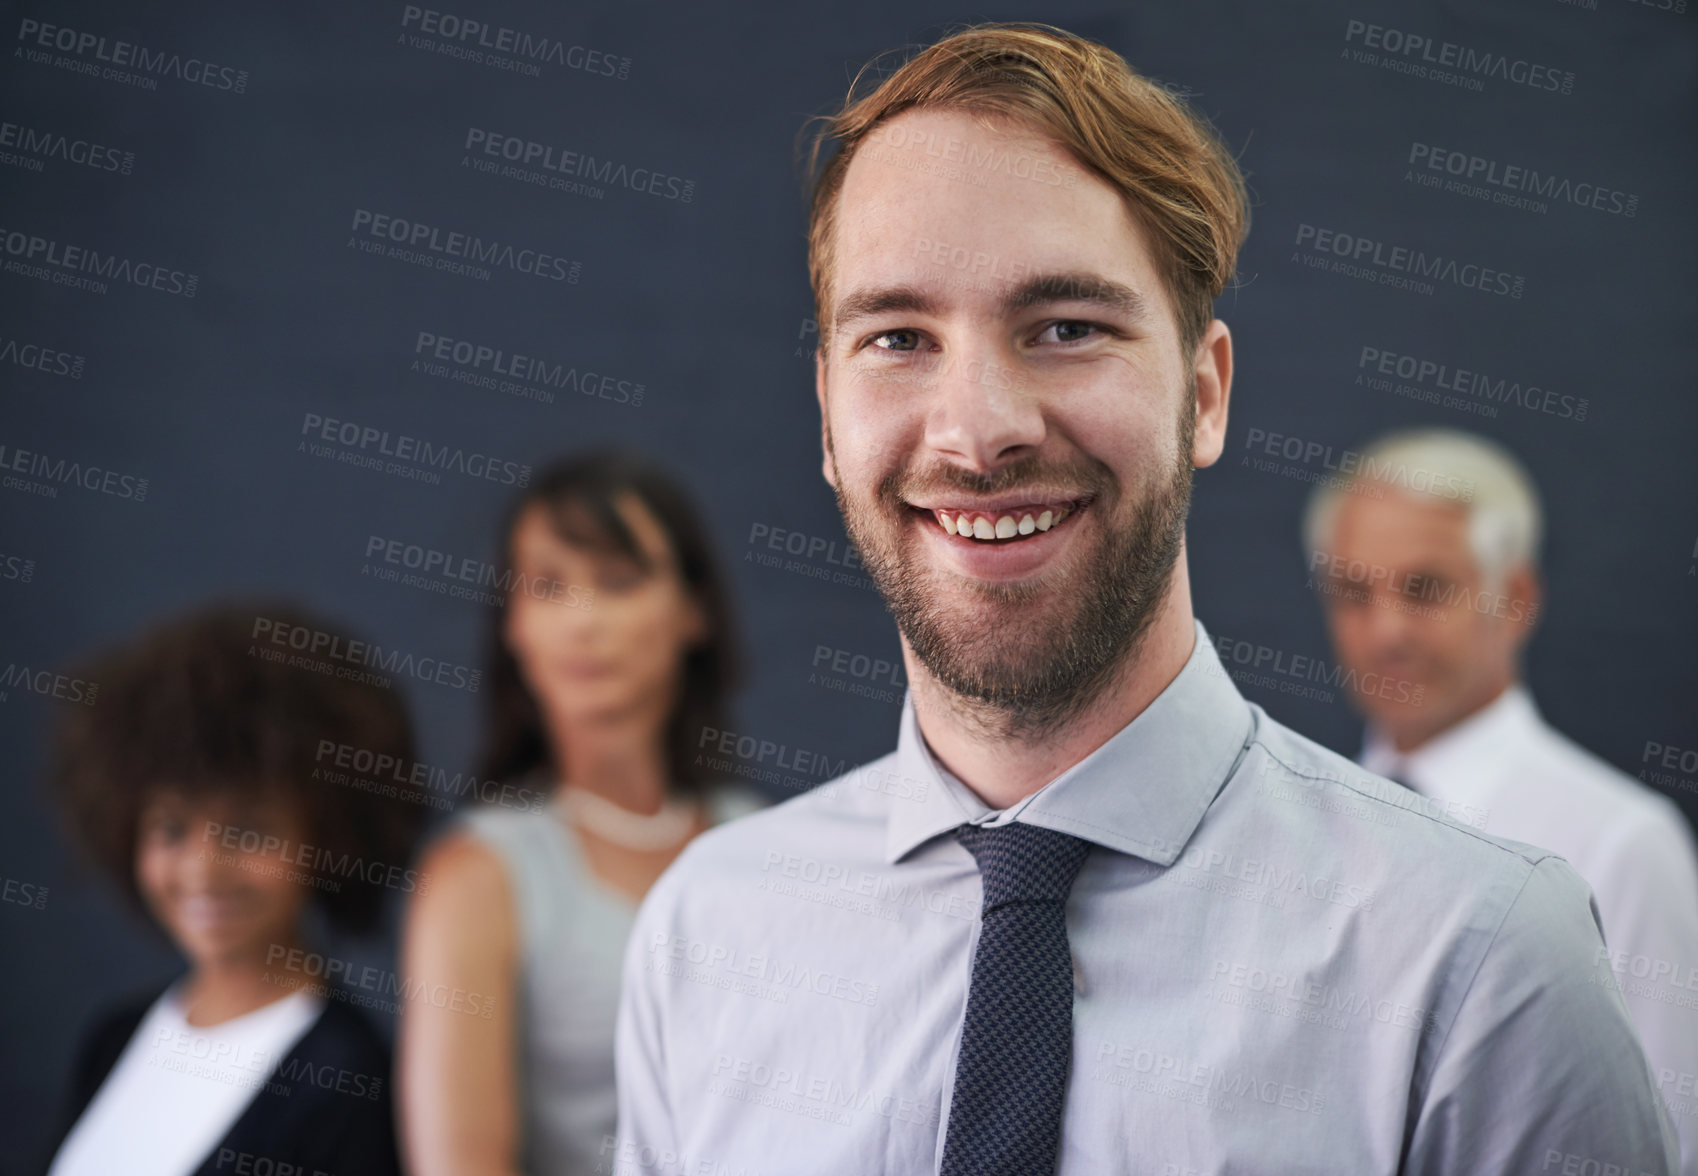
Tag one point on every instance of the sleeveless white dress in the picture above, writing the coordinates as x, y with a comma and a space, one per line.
572, 934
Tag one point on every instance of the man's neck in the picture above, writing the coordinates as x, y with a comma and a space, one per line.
1004, 771
1411, 739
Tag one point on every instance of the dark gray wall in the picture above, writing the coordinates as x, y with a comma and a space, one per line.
704, 302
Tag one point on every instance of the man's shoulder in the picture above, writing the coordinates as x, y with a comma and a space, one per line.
1406, 828
1563, 771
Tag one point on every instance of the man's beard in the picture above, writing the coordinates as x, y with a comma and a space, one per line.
1028, 675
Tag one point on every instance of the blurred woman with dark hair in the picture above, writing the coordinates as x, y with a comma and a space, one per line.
195, 781
614, 650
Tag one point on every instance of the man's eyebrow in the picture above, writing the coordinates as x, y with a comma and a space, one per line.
866, 302
1076, 287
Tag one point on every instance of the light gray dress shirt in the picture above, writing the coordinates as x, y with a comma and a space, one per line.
1282, 963
1507, 772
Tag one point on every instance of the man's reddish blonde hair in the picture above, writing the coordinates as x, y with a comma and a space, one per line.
1173, 172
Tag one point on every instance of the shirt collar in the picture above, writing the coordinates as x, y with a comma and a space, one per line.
1143, 792
1462, 753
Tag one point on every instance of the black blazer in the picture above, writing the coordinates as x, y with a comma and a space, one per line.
327, 1124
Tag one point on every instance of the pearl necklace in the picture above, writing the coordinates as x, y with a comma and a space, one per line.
618, 824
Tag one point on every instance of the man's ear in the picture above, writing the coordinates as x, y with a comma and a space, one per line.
1213, 366
1526, 592
827, 466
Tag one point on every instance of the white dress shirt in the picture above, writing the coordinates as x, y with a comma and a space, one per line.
1521, 778
1282, 964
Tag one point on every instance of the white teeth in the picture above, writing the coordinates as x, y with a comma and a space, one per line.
1004, 527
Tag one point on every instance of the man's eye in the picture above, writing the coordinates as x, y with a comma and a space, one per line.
1066, 332
897, 341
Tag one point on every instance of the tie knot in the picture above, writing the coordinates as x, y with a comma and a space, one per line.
1024, 863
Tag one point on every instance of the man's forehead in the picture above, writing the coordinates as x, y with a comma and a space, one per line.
971, 231
953, 163
1378, 515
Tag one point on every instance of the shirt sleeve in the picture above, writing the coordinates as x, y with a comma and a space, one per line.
1648, 898
646, 1137
1540, 1070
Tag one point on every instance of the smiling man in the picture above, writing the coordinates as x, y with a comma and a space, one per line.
1096, 913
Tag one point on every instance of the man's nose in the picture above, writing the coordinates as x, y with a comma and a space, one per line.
983, 413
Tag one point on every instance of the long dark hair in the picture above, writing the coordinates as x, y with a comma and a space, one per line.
579, 495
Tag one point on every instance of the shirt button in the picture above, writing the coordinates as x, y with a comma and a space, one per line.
1078, 975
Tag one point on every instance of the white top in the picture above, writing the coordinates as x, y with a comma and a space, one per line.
1514, 775
178, 1088
1282, 962
572, 931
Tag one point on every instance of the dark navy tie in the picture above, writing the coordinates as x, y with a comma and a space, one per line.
1017, 1041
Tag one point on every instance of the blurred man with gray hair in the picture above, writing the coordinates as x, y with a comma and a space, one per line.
1426, 562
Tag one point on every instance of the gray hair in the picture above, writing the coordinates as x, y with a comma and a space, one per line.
1505, 523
